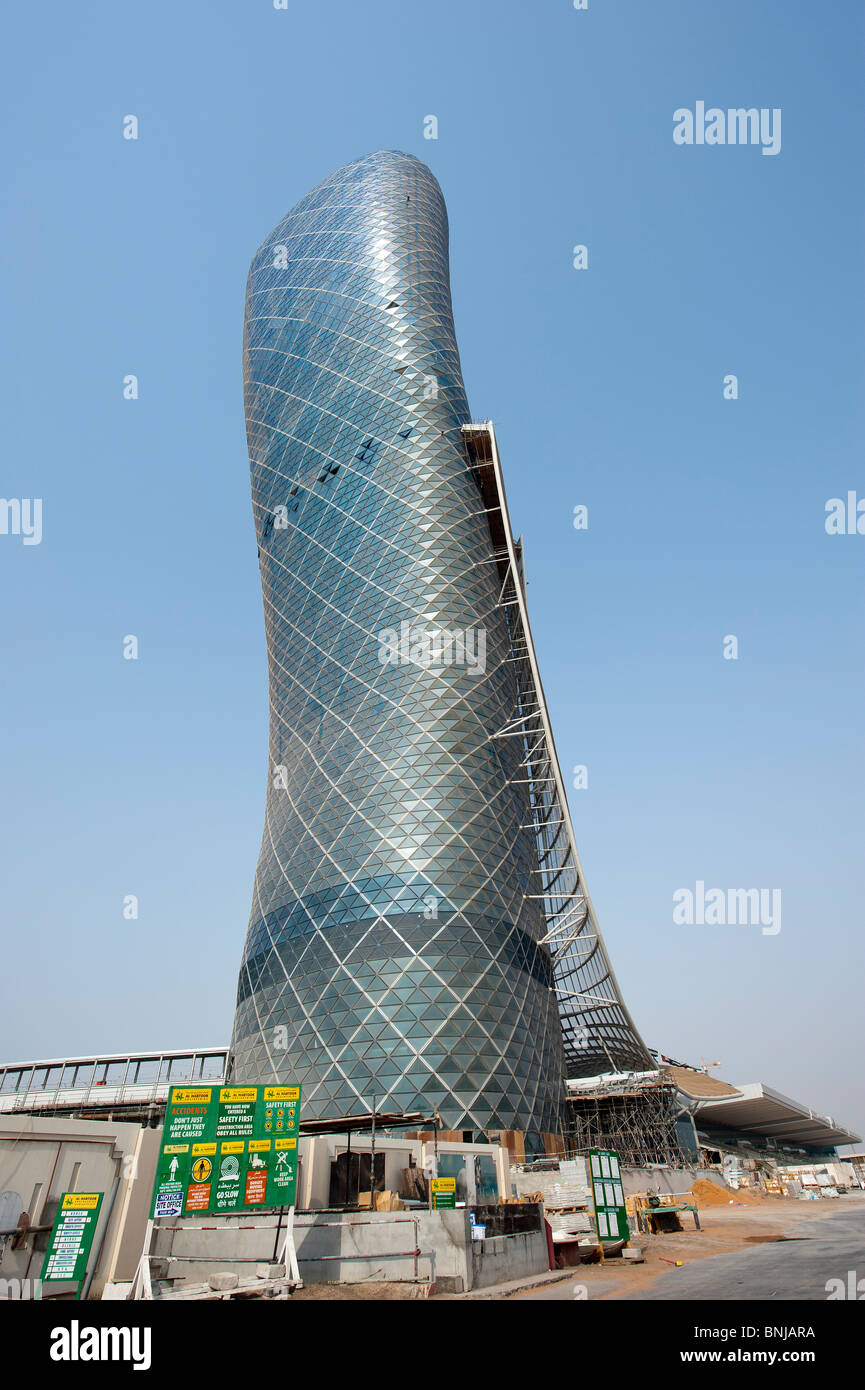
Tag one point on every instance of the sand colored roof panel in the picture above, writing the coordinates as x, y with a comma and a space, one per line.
699, 1084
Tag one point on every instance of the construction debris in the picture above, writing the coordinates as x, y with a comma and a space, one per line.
709, 1194
384, 1201
413, 1185
223, 1289
562, 1185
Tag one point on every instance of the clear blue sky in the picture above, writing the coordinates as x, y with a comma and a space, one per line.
706, 516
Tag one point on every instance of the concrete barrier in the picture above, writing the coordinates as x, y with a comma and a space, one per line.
431, 1247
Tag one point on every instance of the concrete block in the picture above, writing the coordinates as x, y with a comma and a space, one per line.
266, 1270
446, 1284
223, 1280
116, 1292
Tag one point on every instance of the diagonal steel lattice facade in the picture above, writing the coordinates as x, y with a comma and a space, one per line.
407, 945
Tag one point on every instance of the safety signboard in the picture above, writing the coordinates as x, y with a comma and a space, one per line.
72, 1236
444, 1193
227, 1148
609, 1198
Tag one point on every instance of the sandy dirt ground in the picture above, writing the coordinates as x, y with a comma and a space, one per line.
724, 1229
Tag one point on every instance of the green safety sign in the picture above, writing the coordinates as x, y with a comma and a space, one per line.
444, 1193
72, 1236
227, 1148
606, 1178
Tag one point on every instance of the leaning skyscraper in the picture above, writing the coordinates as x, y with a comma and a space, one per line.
420, 935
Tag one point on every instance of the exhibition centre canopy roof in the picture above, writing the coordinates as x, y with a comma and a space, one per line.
751, 1112
759, 1111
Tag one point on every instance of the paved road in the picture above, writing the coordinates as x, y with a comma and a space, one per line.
795, 1268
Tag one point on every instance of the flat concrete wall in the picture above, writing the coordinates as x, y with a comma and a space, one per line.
666, 1180
353, 1247
349, 1252
378, 1250
499, 1259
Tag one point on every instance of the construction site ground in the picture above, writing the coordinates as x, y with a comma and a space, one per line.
795, 1231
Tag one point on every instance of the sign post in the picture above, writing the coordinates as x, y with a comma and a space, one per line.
71, 1237
141, 1287
288, 1253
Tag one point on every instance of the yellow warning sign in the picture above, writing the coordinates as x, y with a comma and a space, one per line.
176, 1149
203, 1149
191, 1095
286, 1143
231, 1146
238, 1095
281, 1093
259, 1146
202, 1169
81, 1201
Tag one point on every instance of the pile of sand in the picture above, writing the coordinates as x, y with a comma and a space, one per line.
709, 1194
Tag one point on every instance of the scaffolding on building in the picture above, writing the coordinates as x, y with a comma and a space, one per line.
635, 1116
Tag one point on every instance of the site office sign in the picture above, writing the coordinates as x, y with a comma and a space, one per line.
227, 1148
72, 1236
611, 1217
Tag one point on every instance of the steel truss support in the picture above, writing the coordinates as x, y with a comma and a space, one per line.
599, 1033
